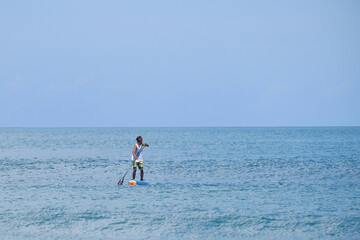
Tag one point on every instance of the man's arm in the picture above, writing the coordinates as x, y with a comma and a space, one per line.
134, 149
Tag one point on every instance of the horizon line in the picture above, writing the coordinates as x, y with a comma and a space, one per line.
273, 126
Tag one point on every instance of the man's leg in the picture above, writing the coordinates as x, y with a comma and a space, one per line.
141, 174
134, 173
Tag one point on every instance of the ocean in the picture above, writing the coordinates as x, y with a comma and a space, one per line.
204, 183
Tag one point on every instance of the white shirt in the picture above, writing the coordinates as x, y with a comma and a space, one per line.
139, 159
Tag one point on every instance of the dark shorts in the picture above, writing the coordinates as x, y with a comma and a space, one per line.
138, 164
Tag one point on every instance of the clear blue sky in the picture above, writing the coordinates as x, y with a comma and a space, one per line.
179, 63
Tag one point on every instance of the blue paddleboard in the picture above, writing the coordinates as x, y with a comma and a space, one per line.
137, 182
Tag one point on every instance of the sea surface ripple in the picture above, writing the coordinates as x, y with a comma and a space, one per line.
204, 183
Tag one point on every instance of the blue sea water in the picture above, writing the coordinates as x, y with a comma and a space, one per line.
204, 183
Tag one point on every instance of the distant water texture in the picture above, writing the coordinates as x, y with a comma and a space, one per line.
204, 183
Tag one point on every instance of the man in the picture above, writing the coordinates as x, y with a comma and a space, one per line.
137, 157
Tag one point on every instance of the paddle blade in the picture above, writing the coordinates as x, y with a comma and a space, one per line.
121, 181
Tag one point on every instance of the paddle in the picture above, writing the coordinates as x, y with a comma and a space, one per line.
121, 181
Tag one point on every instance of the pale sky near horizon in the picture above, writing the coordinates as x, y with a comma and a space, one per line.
179, 63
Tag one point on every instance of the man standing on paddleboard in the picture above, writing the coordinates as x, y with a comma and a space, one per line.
137, 157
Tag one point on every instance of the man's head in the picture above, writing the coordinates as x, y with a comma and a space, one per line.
139, 139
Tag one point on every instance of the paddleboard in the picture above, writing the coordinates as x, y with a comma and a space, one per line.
137, 182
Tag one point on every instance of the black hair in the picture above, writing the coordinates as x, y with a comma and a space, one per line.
138, 138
